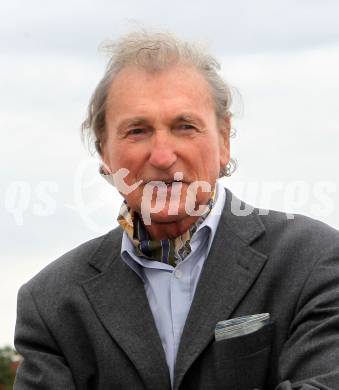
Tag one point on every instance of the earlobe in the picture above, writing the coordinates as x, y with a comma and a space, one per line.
104, 169
104, 166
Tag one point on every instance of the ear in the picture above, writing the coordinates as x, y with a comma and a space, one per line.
104, 166
224, 130
104, 169
101, 149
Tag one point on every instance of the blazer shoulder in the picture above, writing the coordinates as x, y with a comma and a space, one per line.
73, 266
300, 232
272, 227
296, 223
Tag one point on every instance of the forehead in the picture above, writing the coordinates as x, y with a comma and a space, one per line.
179, 88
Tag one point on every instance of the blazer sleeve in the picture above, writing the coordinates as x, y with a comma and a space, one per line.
43, 367
310, 357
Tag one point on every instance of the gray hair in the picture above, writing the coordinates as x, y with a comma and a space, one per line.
154, 51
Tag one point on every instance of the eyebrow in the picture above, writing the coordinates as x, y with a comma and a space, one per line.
144, 121
188, 117
133, 121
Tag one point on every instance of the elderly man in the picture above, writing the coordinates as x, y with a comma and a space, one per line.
188, 292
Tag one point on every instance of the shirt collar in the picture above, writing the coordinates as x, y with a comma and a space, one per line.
209, 226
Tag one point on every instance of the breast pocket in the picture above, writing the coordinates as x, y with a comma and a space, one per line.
239, 363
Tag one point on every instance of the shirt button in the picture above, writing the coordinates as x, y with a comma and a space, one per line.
178, 273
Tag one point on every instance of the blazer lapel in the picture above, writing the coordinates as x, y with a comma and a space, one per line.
118, 297
229, 271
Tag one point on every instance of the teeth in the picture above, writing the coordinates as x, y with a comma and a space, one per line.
170, 182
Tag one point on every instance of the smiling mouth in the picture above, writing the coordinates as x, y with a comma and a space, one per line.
167, 182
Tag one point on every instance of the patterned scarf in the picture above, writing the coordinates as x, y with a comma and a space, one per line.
169, 251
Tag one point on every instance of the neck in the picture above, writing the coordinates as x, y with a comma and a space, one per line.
165, 230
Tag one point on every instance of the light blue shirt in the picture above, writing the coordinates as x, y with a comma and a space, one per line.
170, 290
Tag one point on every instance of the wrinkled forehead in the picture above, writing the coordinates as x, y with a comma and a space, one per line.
134, 87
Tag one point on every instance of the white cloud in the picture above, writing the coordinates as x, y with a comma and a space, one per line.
242, 26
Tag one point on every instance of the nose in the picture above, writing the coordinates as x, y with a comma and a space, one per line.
163, 153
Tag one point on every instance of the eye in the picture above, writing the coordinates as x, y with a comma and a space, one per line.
186, 126
136, 131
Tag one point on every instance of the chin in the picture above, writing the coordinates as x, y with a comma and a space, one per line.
164, 217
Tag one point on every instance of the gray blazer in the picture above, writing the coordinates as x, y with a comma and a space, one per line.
84, 322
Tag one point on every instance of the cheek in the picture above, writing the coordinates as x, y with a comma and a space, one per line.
211, 156
119, 158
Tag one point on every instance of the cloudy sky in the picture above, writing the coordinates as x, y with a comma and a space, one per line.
282, 58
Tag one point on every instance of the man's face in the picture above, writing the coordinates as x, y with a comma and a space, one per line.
161, 123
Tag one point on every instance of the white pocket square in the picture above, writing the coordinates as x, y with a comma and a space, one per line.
240, 326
